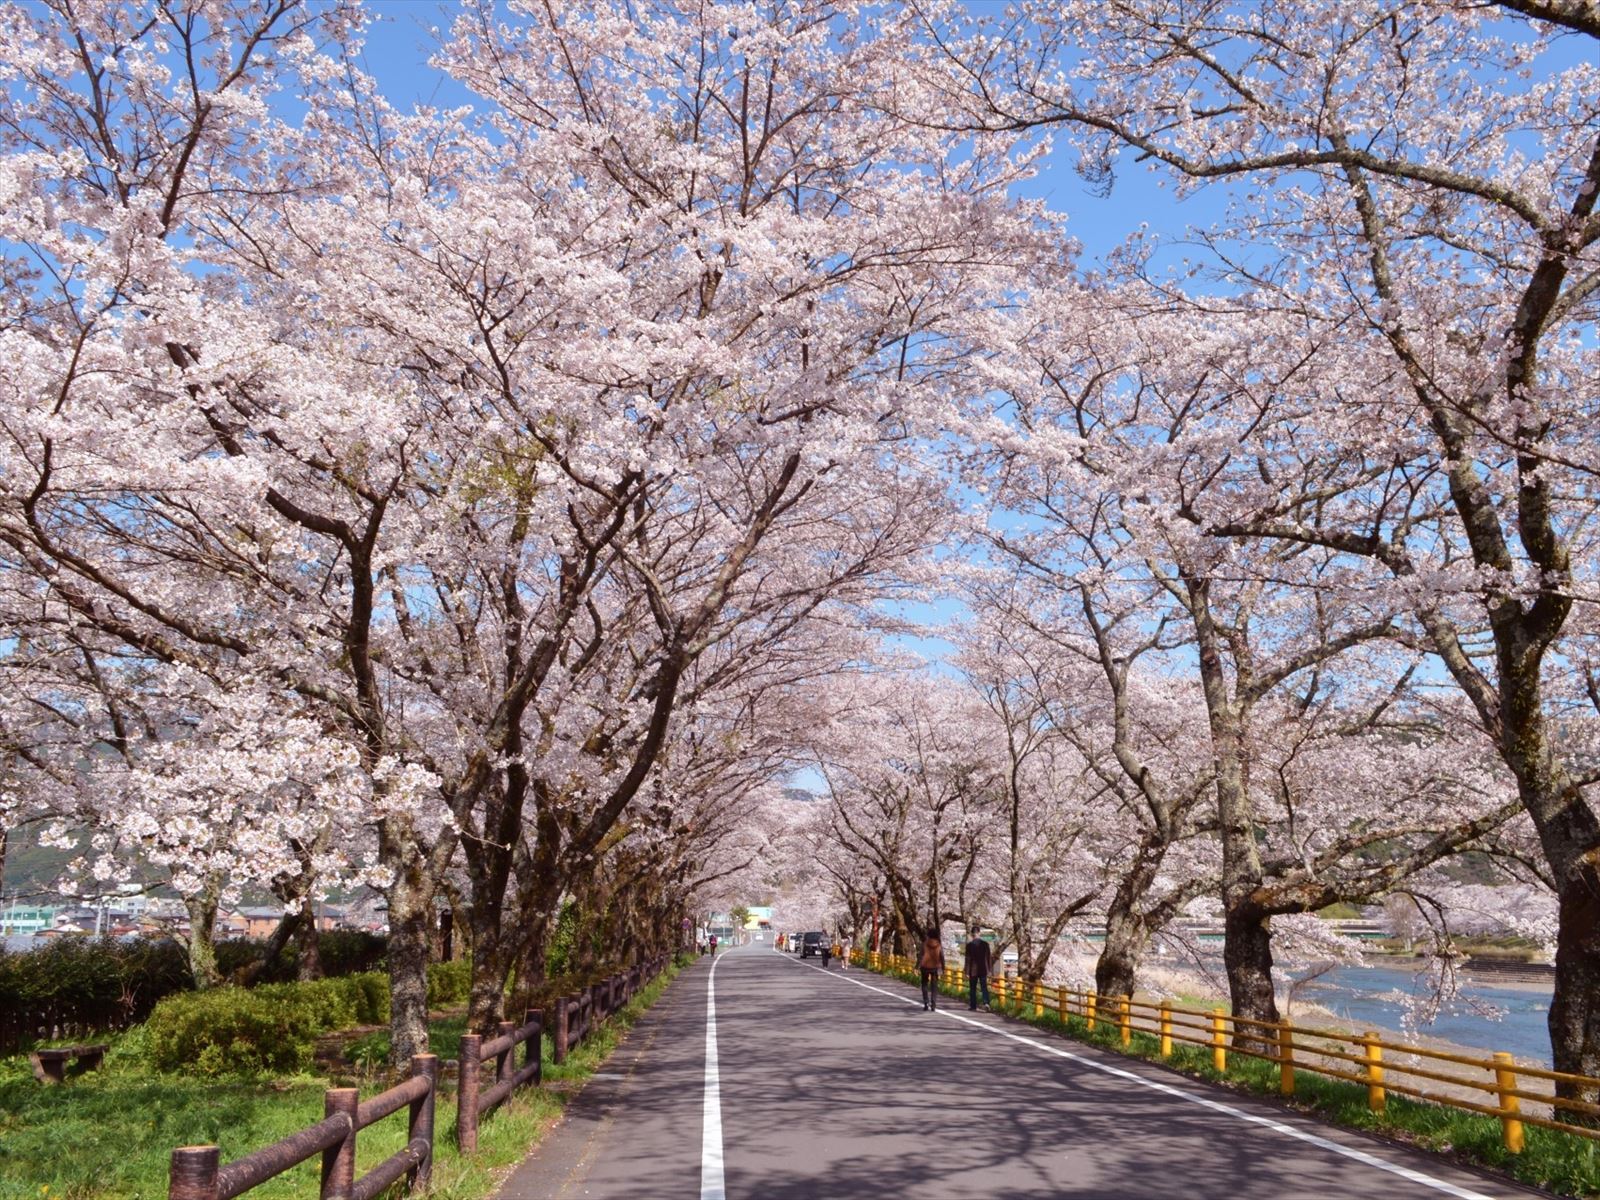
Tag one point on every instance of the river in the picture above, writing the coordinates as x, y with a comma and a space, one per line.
1357, 995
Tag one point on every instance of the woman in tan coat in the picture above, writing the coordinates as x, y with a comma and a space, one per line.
931, 964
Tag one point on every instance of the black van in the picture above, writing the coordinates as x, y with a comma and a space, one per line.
810, 943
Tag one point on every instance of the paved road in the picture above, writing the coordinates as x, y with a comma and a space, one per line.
834, 1086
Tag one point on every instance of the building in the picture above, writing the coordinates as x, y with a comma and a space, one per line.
19, 920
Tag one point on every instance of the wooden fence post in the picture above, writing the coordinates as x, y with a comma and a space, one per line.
503, 1061
467, 1083
339, 1162
1166, 1029
1090, 1004
421, 1126
1219, 1040
1505, 1078
533, 1049
1125, 1021
194, 1173
1376, 1098
558, 1038
1285, 1059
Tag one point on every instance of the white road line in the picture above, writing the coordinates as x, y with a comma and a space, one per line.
1303, 1135
711, 1187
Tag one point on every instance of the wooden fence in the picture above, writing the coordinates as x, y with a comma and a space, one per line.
1492, 1085
199, 1174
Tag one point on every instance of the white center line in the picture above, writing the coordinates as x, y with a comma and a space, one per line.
711, 1120
1303, 1135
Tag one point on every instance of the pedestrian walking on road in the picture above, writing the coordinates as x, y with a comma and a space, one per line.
844, 955
979, 962
931, 964
827, 951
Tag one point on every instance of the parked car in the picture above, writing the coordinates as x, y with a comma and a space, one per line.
811, 943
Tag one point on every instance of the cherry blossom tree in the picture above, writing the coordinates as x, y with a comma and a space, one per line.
1415, 187
487, 445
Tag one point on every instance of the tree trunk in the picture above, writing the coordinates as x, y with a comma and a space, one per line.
410, 899
1569, 834
1247, 955
1117, 970
490, 967
288, 924
1247, 938
1128, 931
1574, 1019
202, 909
308, 965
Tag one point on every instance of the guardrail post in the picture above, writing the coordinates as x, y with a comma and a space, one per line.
1285, 1059
1166, 1029
1376, 1099
503, 1061
1505, 1078
1124, 1021
1061, 1003
1090, 1005
558, 1037
194, 1173
1038, 999
1219, 1040
467, 1083
339, 1162
533, 1048
421, 1125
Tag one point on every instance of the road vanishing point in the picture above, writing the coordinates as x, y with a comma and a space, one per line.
758, 1075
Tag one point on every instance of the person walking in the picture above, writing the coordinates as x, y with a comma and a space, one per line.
931, 964
979, 962
827, 952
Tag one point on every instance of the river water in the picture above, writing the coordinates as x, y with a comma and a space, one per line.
1361, 997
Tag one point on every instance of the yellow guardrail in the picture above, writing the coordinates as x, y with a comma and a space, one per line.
1359, 1059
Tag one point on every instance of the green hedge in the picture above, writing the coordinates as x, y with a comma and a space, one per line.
272, 1028
449, 983
73, 986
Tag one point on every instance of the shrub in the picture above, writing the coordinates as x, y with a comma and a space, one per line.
76, 985
231, 1031
449, 983
272, 1028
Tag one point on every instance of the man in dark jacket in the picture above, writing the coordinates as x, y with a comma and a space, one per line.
979, 960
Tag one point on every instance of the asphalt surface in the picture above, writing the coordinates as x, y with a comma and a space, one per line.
837, 1085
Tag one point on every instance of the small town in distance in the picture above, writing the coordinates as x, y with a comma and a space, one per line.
799, 599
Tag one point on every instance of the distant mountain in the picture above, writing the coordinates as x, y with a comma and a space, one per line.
31, 869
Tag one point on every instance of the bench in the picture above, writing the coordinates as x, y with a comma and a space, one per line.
50, 1065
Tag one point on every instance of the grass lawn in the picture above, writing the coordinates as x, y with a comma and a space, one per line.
108, 1134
